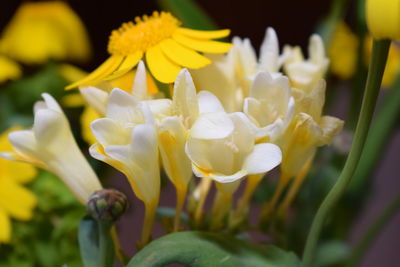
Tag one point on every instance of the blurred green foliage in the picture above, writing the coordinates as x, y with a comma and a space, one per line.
50, 238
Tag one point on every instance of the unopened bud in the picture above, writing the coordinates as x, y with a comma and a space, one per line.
107, 205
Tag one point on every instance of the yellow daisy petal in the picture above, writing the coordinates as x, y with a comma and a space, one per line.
202, 45
16, 200
128, 63
183, 56
204, 34
5, 227
102, 71
21, 172
160, 66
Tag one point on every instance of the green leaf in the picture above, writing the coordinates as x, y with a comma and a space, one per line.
191, 14
95, 244
200, 249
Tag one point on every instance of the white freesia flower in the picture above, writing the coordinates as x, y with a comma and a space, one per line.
229, 77
305, 73
50, 145
127, 140
270, 105
222, 147
308, 129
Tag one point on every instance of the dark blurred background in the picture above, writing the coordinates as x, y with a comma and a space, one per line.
294, 22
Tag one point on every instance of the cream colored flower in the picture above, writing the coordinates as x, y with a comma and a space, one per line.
222, 147
308, 129
50, 145
270, 105
127, 140
229, 77
306, 73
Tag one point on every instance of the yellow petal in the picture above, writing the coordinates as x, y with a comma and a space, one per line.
202, 45
5, 227
204, 34
102, 71
161, 67
21, 172
16, 200
73, 100
9, 69
88, 115
128, 63
183, 56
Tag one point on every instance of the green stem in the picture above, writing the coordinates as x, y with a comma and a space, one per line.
384, 122
105, 244
380, 51
373, 231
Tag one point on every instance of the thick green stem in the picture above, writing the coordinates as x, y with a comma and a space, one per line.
105, 244
373, 231
378, 137
380, 51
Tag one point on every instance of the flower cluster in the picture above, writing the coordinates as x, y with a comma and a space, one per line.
237, 117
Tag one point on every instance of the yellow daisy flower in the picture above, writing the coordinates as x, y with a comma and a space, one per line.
15, 201
166, 46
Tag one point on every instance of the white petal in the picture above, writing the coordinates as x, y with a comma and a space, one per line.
264, 157
212, 126
184, 100
51, 102
316, 49
208, 102
49, 126
139, 90
24, 143
123, 107
269, 51
96, 98
160, 108
39, 105
108, 132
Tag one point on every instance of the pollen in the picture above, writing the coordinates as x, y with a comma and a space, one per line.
146, 32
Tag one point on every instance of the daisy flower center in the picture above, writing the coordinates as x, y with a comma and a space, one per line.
143, 34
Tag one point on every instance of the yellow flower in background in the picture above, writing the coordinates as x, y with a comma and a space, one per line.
10, 70
392, 69
166, 46
383, 18
15, 201
343, 55
342, 51
40, 31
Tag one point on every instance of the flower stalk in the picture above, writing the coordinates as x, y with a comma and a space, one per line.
380, 51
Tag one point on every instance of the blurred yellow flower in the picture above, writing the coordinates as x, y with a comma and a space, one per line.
392, 69
383, 18
342, 51
343, 55
10, 70
15, 200
40, 31
167, 48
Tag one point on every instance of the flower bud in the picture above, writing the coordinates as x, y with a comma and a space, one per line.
107, 205
383, 18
